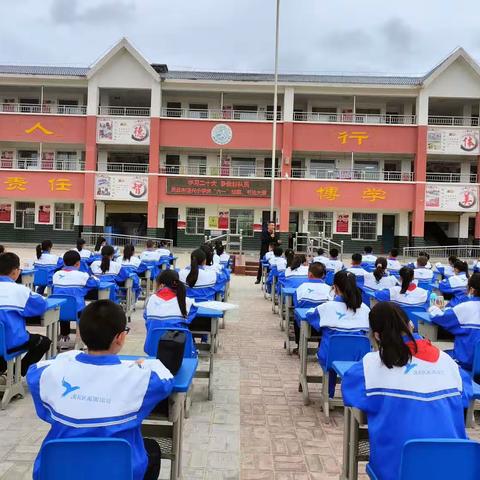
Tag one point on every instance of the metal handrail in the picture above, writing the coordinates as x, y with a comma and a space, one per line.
355, 174
34, 163
124, 111
461, 251
122, 167
305, 242
452, 177
326, 117
218, 171
456, 121
119, 240
219, 114
46, 108
229, 239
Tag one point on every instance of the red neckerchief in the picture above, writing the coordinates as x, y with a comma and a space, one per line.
411, 287
166, 294
425, 350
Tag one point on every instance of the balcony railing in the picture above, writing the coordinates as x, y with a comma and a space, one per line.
361, 175
354, 118
452, 177
124, 111
225, 114
453, 121
217, 171
123, 167
43, 109
34, 163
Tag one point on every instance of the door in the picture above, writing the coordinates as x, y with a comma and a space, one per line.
266, 217
171, 224
388, 232
127, 223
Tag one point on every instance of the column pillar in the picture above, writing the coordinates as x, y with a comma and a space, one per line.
90, 168
418, 218
477, 216
153, 171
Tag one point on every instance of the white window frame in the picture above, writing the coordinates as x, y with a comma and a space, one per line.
18, 210
233, 219
62, 212
363, 222
199, 219
324, 218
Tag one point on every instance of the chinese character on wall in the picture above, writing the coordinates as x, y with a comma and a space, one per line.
358, 136
60, 185
374, 194
16, 183
328, 193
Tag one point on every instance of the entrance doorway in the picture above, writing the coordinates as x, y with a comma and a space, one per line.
127, 223
388, 232
171, 224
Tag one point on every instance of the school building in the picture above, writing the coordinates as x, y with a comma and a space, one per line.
136, 148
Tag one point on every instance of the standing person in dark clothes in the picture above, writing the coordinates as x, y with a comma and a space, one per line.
268, 235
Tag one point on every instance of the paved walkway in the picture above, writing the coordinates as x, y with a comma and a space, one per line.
256, 426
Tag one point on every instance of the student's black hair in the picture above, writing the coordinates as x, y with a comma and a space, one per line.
208, 249
394, 252
150, 244
42, 247
406, 274
272, 244
391, 323
320, 251
9, 261
70, 258
474, 284
380, 267
368, 250
346, 282
278, 251
298, 261
99, 242
163, 243
80, 243
2, 249
357, 258
451, 259
333, 252
317, 270
100, 323
289, 256
128, 251
219, 249
197, 258
170, 279
461, 267
422, 261
424, 254
107, 252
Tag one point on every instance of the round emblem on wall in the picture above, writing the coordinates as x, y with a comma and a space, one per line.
222, 134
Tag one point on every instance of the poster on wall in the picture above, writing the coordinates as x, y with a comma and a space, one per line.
213, 222
453, 141
44, 213
343, 222
456, 198
121, 187
225, 166
130, 131
5, 212
223, 220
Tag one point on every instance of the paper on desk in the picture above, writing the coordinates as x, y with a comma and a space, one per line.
214, 305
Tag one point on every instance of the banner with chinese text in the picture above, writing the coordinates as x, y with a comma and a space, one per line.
127, 131
459, 141
121, 187
453, 198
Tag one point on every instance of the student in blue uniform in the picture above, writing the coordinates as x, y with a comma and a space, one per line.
321, 257
298, 267
368, 257
18, 303
221, 256
129, 259
409, 389
357, 269
162, 249
85, 254
46, 261
463, 321
95, 394
345, 314
447, 270
454, 288
150, 255
334, 263
379, 279
392, 261
421, 271
71, 281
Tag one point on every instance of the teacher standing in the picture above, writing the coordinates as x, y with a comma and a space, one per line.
269, 235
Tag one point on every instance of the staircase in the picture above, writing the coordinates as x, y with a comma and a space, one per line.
251, 268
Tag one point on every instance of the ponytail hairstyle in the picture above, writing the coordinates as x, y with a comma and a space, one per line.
407, 275
170, 279
474, 284
128, 251
45, 246
380, 267
298, 261
197, 258
346, 283
289, 256
220, 249
107, 254
391, 323
461, 267
208, 249
80, 243
452, 259
100, 241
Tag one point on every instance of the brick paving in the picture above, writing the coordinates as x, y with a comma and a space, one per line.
256, 426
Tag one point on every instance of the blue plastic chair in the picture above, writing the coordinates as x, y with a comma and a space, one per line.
94, 458
41, 278
423, 459
475, 385
329, 277
156, 333
348, 348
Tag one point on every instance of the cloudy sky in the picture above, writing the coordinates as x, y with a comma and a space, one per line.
371, 36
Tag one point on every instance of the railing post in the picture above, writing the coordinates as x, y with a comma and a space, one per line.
341, 250
241, 241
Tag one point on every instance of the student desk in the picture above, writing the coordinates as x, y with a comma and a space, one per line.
149, 283
273, 293
168, 429
425, 325
50, 321
286, 316
27, 277
305, 337
370, 294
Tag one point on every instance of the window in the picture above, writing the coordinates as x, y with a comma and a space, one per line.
243, 167
241, 220
364, 226
320, 223
245, 112
172, 164
195, 221
67, 161
174, 109
25, 215
68, 107
64, 216
198, 110
197, 165
27, 159
322, 169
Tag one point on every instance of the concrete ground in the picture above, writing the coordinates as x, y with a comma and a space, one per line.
256, 426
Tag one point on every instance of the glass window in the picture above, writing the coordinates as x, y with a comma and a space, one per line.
243, 167
364, 226
64, 216
241, 220
197, 165
320, 223
195, 221
25, 215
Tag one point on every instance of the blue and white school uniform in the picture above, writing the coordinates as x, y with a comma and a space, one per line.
206, 286
268, 256
386, 281
335, 265
414, 296
164, 252
279, 262
357, 270
133, 262
224, 258
462, 321
446, 271
311, 293
369, 258
150, 256
301, 271
393, 264
71, 281
113, 270
17, 302
423, 399
321, 259
83, 395
423, 273
456, 286
163, 306
48, 260
84, 253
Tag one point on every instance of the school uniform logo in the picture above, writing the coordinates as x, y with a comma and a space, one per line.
409, 367
68, 388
